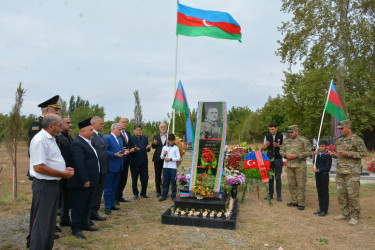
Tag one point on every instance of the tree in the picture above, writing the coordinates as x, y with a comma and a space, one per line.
13, 133
138, 118
334, 38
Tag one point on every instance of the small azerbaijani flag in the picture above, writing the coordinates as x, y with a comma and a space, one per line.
334, 107
180, 104
197, 22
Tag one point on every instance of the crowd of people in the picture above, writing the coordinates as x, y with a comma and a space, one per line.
71, 176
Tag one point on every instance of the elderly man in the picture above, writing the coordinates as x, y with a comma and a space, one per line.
87, 177
47, 167
296, 149
349, 150
210, 128
160, 140
99, 145
139, 161
64, 142
126, 138
115, 150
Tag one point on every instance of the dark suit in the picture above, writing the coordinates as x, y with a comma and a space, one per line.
98, 143
64, 143
86, 168
158, 163
114, 145
139, 163
125, 169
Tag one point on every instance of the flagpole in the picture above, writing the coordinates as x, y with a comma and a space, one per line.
175, 82
321, 122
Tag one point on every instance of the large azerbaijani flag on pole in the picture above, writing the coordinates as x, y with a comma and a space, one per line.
180, 104
334, 107
197, 22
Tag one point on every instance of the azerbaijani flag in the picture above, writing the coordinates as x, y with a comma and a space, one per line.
334, 107
197, 22
180, 104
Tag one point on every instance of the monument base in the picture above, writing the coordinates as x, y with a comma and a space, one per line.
199, 221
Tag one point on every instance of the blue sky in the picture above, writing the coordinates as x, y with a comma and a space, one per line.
104, 50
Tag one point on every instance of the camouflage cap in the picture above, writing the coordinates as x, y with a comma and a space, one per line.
344, 123
292, 128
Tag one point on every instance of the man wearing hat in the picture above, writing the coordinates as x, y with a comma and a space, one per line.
87, 175
50, 106
296, 149
349, 150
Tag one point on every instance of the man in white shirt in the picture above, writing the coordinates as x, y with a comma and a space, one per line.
47, 167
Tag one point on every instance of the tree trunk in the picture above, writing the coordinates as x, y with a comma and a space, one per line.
15, 170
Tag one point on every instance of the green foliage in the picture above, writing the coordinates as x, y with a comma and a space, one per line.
84, 112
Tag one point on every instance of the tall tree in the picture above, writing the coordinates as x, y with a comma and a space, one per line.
13, 133
335, 37
138, 118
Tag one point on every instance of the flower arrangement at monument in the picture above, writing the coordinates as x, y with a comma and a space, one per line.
183, 179
181, 146
234, 177
235, 155
371, 165
208, 160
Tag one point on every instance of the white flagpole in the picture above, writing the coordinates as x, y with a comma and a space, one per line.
175, 83
321, 122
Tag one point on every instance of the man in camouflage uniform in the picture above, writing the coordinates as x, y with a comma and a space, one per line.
349, 150
296, 149
209, 128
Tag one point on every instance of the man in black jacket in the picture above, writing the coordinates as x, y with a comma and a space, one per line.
64, 141
99, 145
272, 143
158, 143
87, 176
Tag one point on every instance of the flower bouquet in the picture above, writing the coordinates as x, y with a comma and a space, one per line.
200, 191
371, 165
208, 160
181, 146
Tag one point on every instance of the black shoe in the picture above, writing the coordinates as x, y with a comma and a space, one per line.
91, 223
301, 207
79, 235
145, 196
56, 237
108, 211
318, 212
279, 199
97, 217
117, 203
123, 200
65, 224
57, 229
115, 208
162, 199
158, 194
291, 204
322, 213
136, 197
91, 229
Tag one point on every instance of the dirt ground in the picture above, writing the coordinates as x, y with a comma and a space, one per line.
138, 224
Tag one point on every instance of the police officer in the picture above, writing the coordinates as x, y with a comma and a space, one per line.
349, 150
296, 149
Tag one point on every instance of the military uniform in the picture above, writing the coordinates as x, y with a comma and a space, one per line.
296, 168
348, 171
209, 130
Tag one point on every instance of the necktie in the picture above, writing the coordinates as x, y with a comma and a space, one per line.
126, 140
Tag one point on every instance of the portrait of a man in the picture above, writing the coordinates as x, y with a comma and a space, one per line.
212, 126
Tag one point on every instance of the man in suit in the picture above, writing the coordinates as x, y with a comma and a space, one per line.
138, 161
125, 136
115, 150
64, 143
99, 145
158, 143
87, 174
